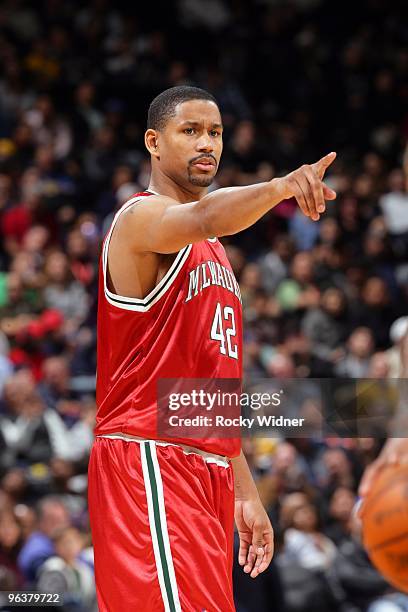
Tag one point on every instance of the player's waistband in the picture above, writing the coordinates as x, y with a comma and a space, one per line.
188, 450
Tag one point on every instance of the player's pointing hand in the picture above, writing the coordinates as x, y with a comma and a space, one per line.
307, 186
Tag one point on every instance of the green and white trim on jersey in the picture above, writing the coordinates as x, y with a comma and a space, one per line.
158, 527
140, 304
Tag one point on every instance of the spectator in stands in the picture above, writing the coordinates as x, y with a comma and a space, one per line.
52, 516
10, 544
363, 586
305, 543
62, 292
341, 506
48, 127
326, 325
66, 573
55, 387
394, 205
356, 363
299, 291
375, 310
337, 470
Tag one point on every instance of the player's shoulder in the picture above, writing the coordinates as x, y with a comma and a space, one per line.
145, 200
139, 213
142, 197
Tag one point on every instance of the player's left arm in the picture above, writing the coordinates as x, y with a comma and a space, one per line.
394, 452
253, 524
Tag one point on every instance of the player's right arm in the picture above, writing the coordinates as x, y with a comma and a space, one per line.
159, 224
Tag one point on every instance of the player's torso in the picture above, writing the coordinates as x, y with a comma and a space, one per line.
188, 326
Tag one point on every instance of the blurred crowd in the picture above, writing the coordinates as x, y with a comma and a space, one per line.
294, 80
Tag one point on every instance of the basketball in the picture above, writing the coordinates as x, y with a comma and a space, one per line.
385, 525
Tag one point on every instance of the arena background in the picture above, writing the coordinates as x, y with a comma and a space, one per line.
294, 80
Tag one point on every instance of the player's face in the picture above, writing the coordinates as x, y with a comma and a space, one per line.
191, 143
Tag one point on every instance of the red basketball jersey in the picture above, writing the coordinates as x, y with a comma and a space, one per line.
188, 326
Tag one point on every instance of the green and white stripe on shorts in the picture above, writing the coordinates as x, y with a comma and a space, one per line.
158, 526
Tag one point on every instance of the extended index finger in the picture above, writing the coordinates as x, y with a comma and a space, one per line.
321, 166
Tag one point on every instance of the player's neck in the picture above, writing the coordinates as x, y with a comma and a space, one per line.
166, 186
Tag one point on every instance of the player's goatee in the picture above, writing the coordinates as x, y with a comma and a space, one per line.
200, 181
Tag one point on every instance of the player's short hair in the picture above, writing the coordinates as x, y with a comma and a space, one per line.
164, 105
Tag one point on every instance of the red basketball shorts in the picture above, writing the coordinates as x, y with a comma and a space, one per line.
162, 527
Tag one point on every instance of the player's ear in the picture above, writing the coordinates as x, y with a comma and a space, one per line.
151, 142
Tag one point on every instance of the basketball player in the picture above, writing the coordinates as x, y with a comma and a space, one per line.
395, 450
161, 510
